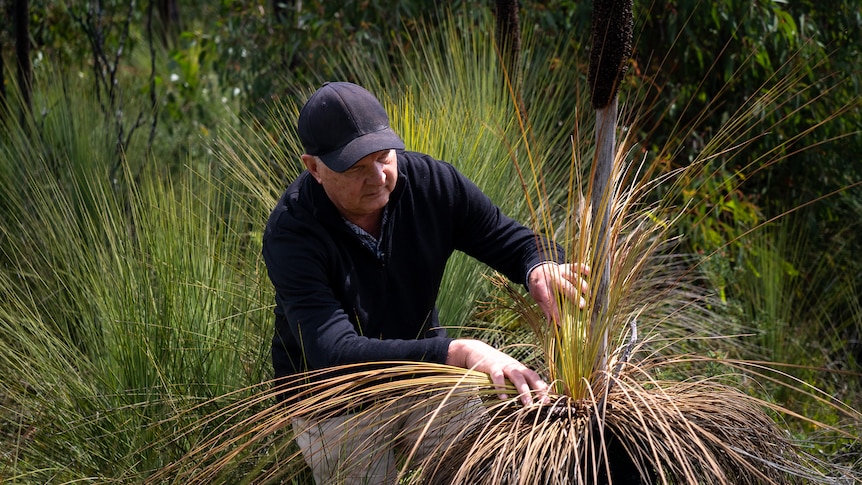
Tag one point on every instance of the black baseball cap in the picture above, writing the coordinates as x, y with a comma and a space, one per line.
342, 122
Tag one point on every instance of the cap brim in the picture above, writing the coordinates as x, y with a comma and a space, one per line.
345, 157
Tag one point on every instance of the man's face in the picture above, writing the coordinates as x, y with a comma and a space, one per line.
362, 190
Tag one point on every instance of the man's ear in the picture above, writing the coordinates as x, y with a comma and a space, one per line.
312, 163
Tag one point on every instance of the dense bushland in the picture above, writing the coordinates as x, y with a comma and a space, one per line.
133, 196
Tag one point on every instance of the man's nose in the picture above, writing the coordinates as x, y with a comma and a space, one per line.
378, 174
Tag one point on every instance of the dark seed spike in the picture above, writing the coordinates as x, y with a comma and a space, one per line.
611, 40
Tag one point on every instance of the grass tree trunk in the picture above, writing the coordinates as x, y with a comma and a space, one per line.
611, 40
2, 86
21, 20
508, 33
169, 15
601, 216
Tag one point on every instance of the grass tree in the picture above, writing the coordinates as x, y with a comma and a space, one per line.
611, 48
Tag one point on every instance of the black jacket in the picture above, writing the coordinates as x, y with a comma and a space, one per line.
337, 303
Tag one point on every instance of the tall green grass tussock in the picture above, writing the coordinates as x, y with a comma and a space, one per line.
124, 302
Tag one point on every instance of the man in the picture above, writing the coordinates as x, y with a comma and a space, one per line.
356, 249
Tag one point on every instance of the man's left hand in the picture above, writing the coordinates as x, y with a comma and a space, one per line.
549, 279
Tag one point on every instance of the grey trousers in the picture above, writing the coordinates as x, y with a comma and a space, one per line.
365, 447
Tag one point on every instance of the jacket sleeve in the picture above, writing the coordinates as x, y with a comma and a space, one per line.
490, 236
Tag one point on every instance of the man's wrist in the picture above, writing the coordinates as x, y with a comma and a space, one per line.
455, 357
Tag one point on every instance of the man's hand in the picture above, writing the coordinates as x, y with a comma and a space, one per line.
567, 279
475, 354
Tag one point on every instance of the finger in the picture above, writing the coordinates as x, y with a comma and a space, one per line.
566, 288
537, 388
522, 386
583, 283
499, 381
541, 391
582, 294
549, 308
579, 268
575, 287
551, 315
541, 388
573, 273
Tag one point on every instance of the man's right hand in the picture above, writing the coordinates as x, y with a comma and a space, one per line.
475, 354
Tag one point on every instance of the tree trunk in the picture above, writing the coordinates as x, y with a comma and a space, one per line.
169, 15
509, 44
508, 34
601, 198
21, 21
2, 86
